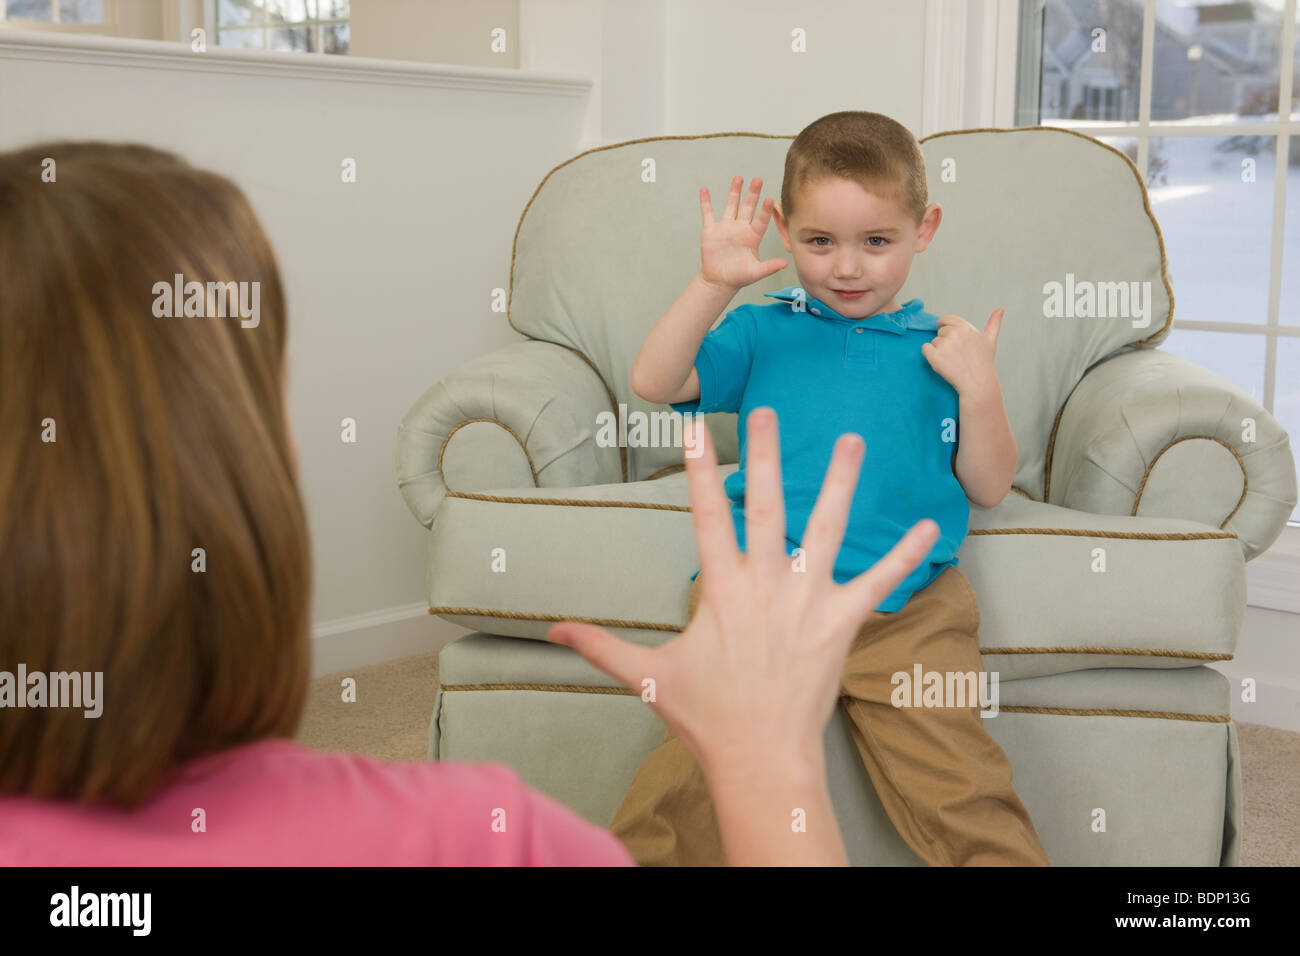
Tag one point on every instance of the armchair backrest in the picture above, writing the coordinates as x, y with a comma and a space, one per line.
1050, 225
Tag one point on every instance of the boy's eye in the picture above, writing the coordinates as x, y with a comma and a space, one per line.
816, 241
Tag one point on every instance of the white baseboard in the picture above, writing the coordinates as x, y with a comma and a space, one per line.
1277, 702
351, 642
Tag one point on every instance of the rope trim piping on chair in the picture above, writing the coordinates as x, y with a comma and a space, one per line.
673, 629
1245, 480
469, 421
1065, 711
663, 472
655, 506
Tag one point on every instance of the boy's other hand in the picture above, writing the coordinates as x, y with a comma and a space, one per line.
729, 247
963, 355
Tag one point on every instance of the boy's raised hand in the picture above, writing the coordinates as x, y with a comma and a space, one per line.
729, 246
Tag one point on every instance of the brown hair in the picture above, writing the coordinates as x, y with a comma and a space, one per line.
169, 435
878, 153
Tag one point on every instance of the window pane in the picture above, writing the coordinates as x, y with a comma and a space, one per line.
292, 38
1213, 198
1238, 357
334, 9
251, 39
81, 11
290, 11
1092, 52
1217, 62
336, 37
238, 13
1286, 397
29, 10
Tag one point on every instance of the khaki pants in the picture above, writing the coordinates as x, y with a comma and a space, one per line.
943, 781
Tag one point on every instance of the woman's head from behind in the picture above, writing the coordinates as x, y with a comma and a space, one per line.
150, 523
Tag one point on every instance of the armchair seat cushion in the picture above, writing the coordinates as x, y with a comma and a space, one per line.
1155, 750
1059, 590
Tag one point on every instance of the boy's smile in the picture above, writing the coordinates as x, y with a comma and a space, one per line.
853, 248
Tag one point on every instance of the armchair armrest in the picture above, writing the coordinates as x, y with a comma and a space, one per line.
522, 416
1149, 433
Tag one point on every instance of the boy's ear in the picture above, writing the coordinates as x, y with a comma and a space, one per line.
929, 226
782, 227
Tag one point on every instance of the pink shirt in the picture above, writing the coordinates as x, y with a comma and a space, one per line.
277, 803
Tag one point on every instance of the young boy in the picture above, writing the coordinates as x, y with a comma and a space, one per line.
837, 353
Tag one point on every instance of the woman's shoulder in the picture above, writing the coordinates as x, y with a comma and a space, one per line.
277, 802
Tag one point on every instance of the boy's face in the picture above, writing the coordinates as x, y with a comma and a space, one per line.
845, 239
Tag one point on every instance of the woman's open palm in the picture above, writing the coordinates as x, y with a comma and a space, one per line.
729, 246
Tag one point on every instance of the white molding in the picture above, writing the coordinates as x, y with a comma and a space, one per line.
944, 65
1271, 582
1277, 702
1005, 50
389, 634
1273, 578
159, 54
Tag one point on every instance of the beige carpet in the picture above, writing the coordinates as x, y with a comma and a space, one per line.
390, 719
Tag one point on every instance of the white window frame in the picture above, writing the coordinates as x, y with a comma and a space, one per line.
972, 60
107, 27
214, 32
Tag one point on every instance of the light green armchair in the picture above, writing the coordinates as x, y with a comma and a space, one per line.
1107, 580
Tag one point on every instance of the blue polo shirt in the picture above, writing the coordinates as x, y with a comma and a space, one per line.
825, 375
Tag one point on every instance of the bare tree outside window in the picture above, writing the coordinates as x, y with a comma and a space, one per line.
305, 26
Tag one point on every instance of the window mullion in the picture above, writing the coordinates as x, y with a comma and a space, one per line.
1280, 168
1146, 68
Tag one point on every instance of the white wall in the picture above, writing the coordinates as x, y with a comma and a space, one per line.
683, 67
389, 279
435, 31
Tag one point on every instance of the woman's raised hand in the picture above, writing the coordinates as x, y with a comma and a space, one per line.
729, 246
756, 674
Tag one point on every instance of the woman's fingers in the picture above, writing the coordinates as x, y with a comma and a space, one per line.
715, 534
830, 515
865, 592
764, 495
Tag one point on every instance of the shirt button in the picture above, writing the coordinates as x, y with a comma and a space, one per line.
859, 331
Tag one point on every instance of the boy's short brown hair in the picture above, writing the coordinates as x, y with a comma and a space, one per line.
878, 153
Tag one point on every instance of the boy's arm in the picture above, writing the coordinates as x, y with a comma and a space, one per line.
986, 454
664, 369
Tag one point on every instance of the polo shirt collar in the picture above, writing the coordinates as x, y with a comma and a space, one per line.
912, 315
